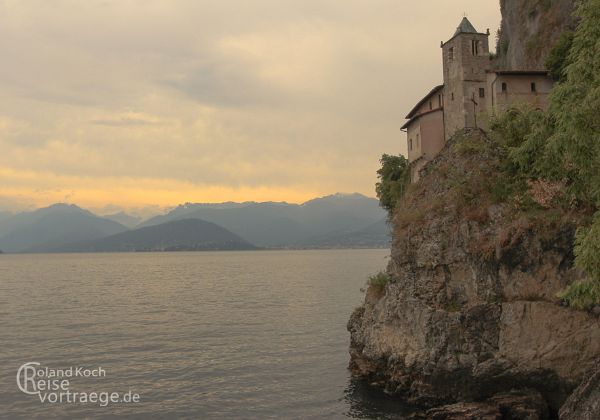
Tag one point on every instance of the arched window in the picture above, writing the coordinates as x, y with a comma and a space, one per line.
410, 144
475, 47
504, 87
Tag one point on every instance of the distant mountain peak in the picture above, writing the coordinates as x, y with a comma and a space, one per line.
348, 195
338, 197
60, 206
177, 235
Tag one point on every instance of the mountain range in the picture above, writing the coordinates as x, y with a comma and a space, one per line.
273, 224
335, 221
180, 235
59, 224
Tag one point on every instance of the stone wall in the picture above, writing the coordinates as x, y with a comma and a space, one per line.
464, 75
518, 91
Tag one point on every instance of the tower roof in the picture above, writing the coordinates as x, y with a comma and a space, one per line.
465, 27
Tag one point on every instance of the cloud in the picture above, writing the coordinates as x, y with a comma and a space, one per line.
217, 100
127, 119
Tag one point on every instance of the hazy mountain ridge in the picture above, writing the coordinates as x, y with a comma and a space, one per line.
180, 235
54, 225
335, 221
280, 224
128, 220
5, 215
376, 235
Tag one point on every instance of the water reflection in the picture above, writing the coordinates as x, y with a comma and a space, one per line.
368, 402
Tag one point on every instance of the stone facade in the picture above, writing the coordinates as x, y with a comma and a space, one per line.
466, 60
471, 91
425, 121
509, 88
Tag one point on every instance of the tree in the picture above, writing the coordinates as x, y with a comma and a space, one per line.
574, 106
563, 144
394, 178
576, 140
557, 59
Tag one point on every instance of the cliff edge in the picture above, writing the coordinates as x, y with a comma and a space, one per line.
529, 30
470, 309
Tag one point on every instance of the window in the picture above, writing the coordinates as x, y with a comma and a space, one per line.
417, 141
452, 95
451, 54
475, 47
481, 92
533, 88
410, 144
430, 106
504, 87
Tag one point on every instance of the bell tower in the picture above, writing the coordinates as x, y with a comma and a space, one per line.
466, 59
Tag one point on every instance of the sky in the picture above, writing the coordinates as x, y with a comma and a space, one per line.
137, 105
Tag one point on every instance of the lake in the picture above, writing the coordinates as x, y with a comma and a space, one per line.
254, 334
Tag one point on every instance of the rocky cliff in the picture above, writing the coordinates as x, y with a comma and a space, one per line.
529, 30
470, 311
584, 403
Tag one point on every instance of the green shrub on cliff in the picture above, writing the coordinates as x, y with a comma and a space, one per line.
574, 105
378, 281
394, 178
557, 59
562, 146
582, 294
575, 142
587, 248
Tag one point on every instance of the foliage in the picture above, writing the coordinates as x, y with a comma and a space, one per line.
563, 145
539, 163
465, 146
516, 154
394, 179
574, 105
378, 281
502, 43
582, 294
557, 59
587, 249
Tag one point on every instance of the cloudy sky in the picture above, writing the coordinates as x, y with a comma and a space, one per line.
128, 104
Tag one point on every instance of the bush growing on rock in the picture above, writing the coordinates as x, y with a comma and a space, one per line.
562, 146
377, 282
394, 179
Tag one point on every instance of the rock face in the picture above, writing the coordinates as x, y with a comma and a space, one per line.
529, 30
584, 403
471, 308
511, 405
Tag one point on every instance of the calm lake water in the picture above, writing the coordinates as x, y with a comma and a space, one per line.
199, 335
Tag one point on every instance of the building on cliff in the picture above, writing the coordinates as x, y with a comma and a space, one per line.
472, 88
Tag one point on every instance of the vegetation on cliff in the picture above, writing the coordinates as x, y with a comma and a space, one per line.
394, 178
562, 146
467, 320
543, 167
